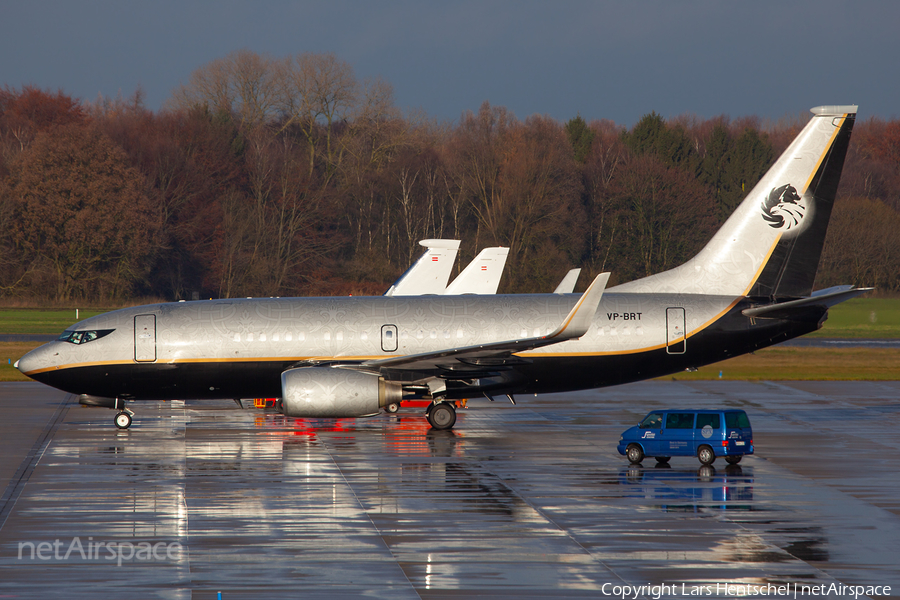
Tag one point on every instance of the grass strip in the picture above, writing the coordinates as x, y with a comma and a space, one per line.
42, 321
792, 363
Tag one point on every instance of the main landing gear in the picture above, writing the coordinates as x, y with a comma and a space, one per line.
441, 415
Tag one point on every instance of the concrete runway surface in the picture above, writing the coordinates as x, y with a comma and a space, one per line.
526, 501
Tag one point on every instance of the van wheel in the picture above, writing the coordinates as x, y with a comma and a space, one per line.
634, 453
663, 460
706, 455
733, 460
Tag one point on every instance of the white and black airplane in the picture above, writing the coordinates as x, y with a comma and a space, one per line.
750, 287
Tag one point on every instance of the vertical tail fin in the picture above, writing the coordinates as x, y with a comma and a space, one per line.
771, 245
429, 274
567, 285
482, 275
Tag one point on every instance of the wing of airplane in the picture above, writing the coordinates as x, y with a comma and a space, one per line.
575, 325
567, 285
482, 275
429, 274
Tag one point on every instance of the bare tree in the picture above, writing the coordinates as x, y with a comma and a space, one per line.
244, 84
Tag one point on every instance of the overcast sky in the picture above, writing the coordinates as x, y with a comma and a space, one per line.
603, 60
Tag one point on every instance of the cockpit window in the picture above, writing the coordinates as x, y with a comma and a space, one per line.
83, 337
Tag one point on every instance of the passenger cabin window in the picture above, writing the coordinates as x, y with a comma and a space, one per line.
83, 337
713, 421
680, 421
652, 421
734, 420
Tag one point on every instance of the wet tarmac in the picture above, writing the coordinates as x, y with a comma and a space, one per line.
526, 501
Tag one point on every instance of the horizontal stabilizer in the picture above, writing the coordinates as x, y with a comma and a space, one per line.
824, 299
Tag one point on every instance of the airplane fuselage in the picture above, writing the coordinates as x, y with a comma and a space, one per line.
239, 348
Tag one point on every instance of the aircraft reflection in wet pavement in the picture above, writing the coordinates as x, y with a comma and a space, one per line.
748, 288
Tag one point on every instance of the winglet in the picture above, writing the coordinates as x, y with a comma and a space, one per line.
579, 318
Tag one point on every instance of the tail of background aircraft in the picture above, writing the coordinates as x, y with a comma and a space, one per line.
482, 275
429, 274
567, 285
770, 246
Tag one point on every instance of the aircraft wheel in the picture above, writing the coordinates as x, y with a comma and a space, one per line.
442, 416
123, 420
392, 407
733, 460
706, 455
634, 453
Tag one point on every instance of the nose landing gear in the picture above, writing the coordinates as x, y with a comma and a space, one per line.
125, 415
123, 419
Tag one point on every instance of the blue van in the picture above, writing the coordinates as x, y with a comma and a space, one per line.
705, 434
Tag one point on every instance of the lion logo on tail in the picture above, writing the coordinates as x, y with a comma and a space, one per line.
784, 208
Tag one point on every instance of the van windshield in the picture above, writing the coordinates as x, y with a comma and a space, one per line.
652, 421
737, 419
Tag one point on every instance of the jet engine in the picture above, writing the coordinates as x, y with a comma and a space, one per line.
326, 392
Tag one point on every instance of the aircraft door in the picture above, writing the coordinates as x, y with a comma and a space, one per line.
675, 331
389, 337
145, 338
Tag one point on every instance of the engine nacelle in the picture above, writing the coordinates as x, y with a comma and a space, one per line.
326, 392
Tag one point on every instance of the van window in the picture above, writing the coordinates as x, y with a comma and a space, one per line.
737, 419
680, 421
712, 420
652, 421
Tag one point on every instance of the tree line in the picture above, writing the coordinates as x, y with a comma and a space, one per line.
269, 176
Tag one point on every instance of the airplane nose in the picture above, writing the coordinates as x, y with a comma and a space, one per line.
37, 359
